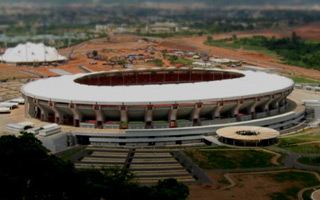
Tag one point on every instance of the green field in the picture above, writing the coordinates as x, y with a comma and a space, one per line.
302, 137
299, 79
305, 148
302, 180
230, 159
235, 44
156, 62
308, 142
310, 160
179, 60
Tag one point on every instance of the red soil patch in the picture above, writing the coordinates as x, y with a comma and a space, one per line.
310, 31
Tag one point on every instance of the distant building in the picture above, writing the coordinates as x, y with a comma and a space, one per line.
225, 61
162, 27
104, 28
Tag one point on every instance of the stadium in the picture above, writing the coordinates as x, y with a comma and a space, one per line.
157, 98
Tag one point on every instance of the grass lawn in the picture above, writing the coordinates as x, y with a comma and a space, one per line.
182, 61
301, 179
237, 45
306, 179
310, 160
306, 136
298, 79
230, 159
291, 142
305, 148
156, 62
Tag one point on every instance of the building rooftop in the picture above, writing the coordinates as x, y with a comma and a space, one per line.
247, 133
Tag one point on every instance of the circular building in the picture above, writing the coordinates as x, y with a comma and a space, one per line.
31, 53
247, 135
157, 98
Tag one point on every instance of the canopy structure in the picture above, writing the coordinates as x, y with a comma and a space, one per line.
31, 53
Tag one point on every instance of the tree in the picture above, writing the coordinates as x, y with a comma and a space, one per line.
29, 172
170, 189
234, 37
94, 53
295, 38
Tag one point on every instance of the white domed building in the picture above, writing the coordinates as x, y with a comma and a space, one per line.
31, 53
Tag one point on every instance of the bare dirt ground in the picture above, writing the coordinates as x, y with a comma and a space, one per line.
310, 31
11, 72
248, 187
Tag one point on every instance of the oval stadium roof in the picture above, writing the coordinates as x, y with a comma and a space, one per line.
64, 89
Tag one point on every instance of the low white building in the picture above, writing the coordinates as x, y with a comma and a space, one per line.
19, 127
162, 27
225, 61
31, 53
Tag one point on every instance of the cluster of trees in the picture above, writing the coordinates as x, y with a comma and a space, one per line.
28, 171
293, 50
178, 60
157, 62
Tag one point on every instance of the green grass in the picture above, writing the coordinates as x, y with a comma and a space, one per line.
310, 160
308, 136
178, 60
291, 143
234, 159
182, 61
306, 148
238, 45
156, 62
298, 79
301, 180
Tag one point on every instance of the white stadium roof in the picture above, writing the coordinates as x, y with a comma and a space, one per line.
64, 89
31, 53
